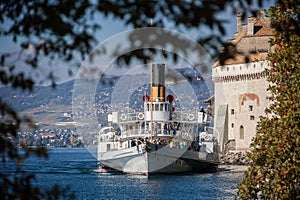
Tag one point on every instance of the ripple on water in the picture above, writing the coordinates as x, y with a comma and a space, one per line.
75, 168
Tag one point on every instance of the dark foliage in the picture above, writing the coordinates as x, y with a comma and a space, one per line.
274, 161
64, 29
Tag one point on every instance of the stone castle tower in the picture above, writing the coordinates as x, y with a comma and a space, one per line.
241, 85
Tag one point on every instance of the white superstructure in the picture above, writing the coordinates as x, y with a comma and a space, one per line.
158, 139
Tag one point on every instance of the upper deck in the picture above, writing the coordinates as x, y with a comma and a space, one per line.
176, 116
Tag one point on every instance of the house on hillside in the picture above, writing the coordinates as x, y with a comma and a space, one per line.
241, 85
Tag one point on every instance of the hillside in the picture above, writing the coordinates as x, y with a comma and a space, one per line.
52, 107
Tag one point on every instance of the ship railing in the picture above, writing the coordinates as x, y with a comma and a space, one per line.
130, 117
188, 116
138, 133
181, 116
185, 116
134, 133
214, 135
116, 153
184, 134
106, 134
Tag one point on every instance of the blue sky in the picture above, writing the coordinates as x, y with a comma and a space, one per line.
110, 26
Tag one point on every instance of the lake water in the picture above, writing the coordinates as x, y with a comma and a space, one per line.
75, 169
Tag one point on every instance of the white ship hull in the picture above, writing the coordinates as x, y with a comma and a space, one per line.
158, 139
162, 161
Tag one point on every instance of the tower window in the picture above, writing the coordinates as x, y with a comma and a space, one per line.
257, 127
232, 125
252, 117
232, 111
250, 108
241, 132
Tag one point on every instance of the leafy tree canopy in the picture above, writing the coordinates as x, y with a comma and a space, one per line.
274, 171
64, 29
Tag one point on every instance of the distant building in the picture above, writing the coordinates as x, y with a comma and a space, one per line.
241, 85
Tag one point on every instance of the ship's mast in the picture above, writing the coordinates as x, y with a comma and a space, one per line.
157, 89
151, 113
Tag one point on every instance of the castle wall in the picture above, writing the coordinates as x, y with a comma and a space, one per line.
254, 44
241, 83
242, 87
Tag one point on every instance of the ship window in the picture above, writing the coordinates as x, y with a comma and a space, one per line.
161, 107
252, 117
108, 147
232, 111
250, 108
156, 107
148, 107
166, 107
241, 132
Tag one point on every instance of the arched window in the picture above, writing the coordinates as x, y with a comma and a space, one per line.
250, 108
241, 132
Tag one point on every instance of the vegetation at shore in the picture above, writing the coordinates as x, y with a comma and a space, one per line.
274, 162
66, 29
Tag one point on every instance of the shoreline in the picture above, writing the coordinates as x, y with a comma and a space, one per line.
232, 168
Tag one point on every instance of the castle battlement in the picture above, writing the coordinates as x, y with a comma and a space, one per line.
240, 72
241, 83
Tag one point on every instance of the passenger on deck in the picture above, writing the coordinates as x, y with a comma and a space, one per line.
159, 141
133, 143
177, 126
156, 145
165, 130
118, 131
170, 127
171, 144
155, 131
137, 146
174, 132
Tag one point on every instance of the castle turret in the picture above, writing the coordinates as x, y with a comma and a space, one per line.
239, 22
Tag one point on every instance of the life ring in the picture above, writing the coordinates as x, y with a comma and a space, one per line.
140, 116
202, 135
191, 117
208, 137
123, 117
174, 115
